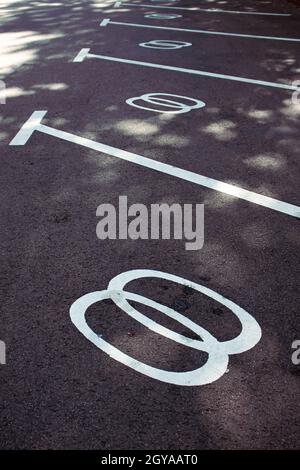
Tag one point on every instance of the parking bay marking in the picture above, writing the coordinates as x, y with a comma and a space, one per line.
34, 124
167, 105
107, 21
84, 53
218, 351
165, 44
208, 10
160, 16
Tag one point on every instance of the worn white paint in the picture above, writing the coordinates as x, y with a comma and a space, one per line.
34, 124
107, 21
163, 99
218, 351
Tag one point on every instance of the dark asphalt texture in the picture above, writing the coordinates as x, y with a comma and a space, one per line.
57, 389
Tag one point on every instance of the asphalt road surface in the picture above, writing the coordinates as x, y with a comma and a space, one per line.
237, 153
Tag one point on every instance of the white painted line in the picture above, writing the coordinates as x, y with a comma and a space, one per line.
218, 351
81, 55
196, 72
207, 10
34, 123
31, 125
105, 22
117, 4
200, 31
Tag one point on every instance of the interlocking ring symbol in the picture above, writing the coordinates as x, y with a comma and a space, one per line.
158, 99
162, 16
218, 351
165, 44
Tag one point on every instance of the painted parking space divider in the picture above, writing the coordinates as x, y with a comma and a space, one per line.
181, 104
207, 10
165, 44
107, 21
218, 351
84, 53
34, 124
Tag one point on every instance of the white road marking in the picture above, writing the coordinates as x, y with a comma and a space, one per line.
203, 73
34, 124
208, 10
81, 55
158, 99
158, 16
165, 44
107, 21
218, 351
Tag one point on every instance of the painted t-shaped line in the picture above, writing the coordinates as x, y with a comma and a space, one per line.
31, 125
34, 124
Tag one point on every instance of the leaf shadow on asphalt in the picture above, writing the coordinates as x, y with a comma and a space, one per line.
61, 391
